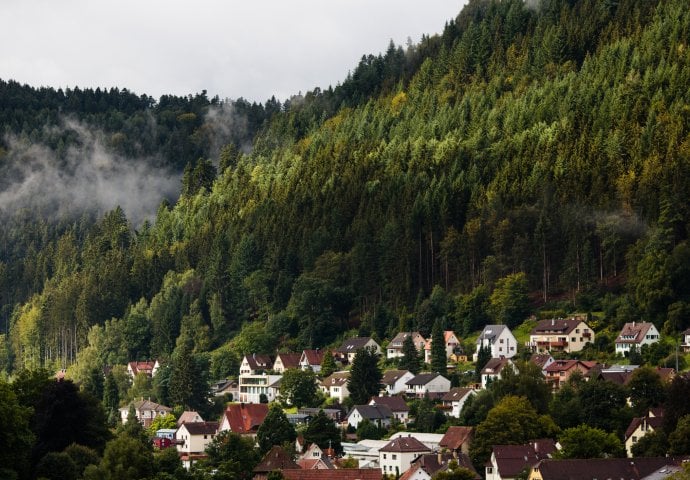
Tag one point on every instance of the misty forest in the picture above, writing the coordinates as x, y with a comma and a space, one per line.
530, 160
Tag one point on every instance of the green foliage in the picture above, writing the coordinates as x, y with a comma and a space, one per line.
328, 365
365, 376
162, 421
232, 456
58, 466
646, 390
509, 304
369, 430
587, 442
276, 429
411, 358
454, 472
125, 458
322, 431
17, 439
438, 349
298, 387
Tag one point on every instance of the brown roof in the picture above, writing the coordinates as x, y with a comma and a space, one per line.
322, 463
245, 417
290, 360
405, 444
512, 459
188, 417
433, 463
259, 362
540, 359
565, 365
314, 357
636, 330
455, 437
620, 378
654, 422
351, 345
395, 403
397, 341
562, 326
603, 468
392, 376
275, 459
456, 393
495, 365
201, 428
142, 367
336, 379
337, 474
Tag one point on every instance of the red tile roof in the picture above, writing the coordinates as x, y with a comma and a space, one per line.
313, 357
275, 459
290, 360
455, 437
405, 444
245, 417
338, 474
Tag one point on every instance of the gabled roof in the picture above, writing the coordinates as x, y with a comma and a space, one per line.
245, 417
397, 341
290, 360
275, 459
423, 378
636, 332
353, 344
259, 362
562, 326
372, 412
189, 417
455, 437
447, 335
512, 459
491, 333
142, 367
313, 357
540, 359
201, 428
336, 379
432, 463
565, 365
405, 444
456, 394
654, 422
395, 403
322, 463
147, 405
603, 468
495, 365
337, 474
392, 376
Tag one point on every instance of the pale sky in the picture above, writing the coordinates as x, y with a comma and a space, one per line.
251, 49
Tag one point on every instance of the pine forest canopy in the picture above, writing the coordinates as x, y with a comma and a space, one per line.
527, 152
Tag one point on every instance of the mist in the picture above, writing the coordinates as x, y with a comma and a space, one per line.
83, 178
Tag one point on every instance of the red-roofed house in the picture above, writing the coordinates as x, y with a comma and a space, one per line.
508, 461
284, 361
641, 426
541, 360
636, 334
493, 369
242, 418
561, 335
149, 368
311, 359
560, 371
337, 474
457, 440
396, 456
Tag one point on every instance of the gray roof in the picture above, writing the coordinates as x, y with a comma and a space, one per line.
423, 378
491, 332
373, 412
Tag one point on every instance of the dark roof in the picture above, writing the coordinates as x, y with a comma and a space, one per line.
556, 325
313, 357
512, 459
397, 341
620, 378
259, 362
456, 393
392, 376
373, 412
275, 459
495, 365
337, 474
423, 378
654, 422
636, 330
603, 468
201, 428
455, 437
353, 344
395, 403
565, 365
405, 444
540, 359
490, 332
336, 379
290, 360
431, 463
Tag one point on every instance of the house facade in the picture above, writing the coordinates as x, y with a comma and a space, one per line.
427, 383
284, 361
560, 335
396, 404
347, 351
145, 411
192, 439
311, 360
252, 388
255, 364
455, 399
508, 461
493, 369
335, 385
451, 343
641, 426
148, 368
636, 334
397, 455
500, 341
685, 340
243, 419
395, 381
379, 415
560, 371
394, 348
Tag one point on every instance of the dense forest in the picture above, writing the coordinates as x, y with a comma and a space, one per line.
541, 147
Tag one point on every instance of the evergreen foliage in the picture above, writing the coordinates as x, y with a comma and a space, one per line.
365, 376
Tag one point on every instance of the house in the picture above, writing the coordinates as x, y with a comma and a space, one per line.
455, 399
427, 383
641, 426
508, 461
189, 416
337, 474
380, 415
618, 374
394, 348
335, 413
636, 334
313, 451
450, 342
192, 440
560, 371
426, 466
311, 359
366, 452
243, 419
284, 361
685, 341
397, 455
457, 440
275, 459
149, 368
394, 381
323, 463
541, 360
396, 404
258, 387
605, 468
347, 351
335, 385
225, 387
493, 369
499, 339
560, 335
430, 440
255, 364
145, 411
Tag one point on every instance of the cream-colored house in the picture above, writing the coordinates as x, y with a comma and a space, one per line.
335, 386
397, 455
560, 335
192, 440
636, 334
641, 426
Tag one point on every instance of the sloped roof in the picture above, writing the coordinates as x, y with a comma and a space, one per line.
290, 360
142, 367
446, 338
491, 333
397, 341
245, 417
353, 344
456, 394
259, 362
423, 378
636, 330
391, 376
337, 474
147, 405
603, 468
275, 459
512, 459
562, 326
405, 444
336, 379
540, 359
395, 403
201, 428
455, 437
431, 465
654, 422
189, 417
495, 365
322, 463
313, 357
373, 412
565, 365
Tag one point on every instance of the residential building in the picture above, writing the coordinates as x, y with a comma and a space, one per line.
642, 468
148, 368
560, 371
347, 351
508, 461
335, 385
618, 374
457, 440
685, 341
145, 411
499, 339
394, 381
366, 452
450, 342
541, 360
189, 416
226, 386
253, 388
397, 405
427, 383
397, 455
394, 348
426, 466
284, 361
493, 369
431, 440
311, 359
636, 334
379, 415
192, 440
275, 459
560, 335
641, 426
255, 364
337, 474
455, 399
243, 419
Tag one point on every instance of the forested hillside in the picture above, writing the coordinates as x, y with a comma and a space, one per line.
533, 146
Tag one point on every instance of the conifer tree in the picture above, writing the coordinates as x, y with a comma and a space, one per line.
276, 429
438, 349
410, 359
365, 376
328, 365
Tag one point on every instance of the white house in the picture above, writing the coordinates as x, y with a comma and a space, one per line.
560, 335
394, 348
311, 360
397, 455
394, 381
397, 405
685, 341
427, 383
636, 334
347, 351
252, 387
192, 440
255, 364
500, 341
284, 361
493, 370
455, 399
379, 415
335, 386
432, 441
148, 368
145, 411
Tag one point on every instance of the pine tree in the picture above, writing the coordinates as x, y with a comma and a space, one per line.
410, 359
365, 376
483, 356
438, 349
276, 429
328, 365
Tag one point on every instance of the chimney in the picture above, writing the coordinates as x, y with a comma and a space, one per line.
440, 458
553, 322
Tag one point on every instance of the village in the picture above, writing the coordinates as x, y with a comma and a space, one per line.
374, 437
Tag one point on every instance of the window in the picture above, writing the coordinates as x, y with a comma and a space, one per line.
634, 439
489, 470
573, 339
577, 330
394, 457
501, 341
384, 456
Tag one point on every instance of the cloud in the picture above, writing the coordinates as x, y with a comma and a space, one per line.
84, 178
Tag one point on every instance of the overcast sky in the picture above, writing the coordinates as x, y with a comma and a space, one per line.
251, 49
